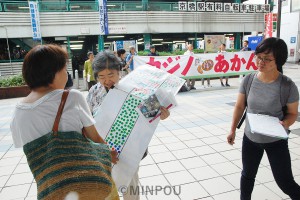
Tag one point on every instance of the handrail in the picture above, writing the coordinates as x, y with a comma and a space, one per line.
87, 6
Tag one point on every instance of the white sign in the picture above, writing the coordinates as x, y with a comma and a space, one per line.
35, 20
115, 29
129, 115
222, 7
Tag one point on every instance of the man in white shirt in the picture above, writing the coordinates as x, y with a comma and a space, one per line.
190, 82
223, 50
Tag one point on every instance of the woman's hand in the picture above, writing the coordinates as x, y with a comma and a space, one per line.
164, 113
114, 156
284, 124
231, 138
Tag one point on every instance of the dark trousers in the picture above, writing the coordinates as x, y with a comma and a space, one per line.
280, 162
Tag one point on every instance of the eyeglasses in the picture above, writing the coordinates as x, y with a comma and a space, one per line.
265, 60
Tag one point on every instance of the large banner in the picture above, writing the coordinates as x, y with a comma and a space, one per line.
35, 20
129, 115
202, 65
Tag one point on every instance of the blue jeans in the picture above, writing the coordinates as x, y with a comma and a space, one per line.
280, 162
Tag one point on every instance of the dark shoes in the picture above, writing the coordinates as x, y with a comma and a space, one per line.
193, 88
227, 85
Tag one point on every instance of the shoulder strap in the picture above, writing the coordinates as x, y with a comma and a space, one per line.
248, 81
60, 110
285, 88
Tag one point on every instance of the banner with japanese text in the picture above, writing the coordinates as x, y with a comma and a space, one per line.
202, 65
35, 20
103, 17
269, 25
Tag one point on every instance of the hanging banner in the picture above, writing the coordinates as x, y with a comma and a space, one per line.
35, 20
103, 17
269, 25
129, 115
202, 65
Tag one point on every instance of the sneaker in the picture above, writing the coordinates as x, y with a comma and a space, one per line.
222, 84
209, 86
193, 88
227, 85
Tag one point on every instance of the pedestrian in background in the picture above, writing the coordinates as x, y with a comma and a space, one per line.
88, 69
129, 58
153, 51
223, 50
190, 82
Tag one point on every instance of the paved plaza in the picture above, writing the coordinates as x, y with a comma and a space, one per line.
188, 151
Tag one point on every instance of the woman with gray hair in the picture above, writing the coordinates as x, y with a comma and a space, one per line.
106, 68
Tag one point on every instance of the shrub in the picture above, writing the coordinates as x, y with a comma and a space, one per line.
11, 81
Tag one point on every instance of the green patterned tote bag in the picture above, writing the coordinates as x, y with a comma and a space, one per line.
67, 162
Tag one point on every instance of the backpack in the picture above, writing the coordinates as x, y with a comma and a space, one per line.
285, 87
69, 82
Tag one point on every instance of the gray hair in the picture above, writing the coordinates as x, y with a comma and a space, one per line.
105, 60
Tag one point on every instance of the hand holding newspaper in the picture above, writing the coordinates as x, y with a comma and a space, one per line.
266, 125
150, 108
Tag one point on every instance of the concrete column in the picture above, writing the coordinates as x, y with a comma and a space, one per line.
237, 40
100, 43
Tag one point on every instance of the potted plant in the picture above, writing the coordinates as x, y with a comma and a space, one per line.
13, 86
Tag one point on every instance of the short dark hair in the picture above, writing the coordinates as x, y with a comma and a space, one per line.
41, 64
152, 47
105, 60
276, 46
246, 41
224, 45
120, 52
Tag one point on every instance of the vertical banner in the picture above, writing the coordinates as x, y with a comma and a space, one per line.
103, 17
269, 25
35, 20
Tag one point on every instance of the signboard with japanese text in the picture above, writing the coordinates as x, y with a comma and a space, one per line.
212, 43
35, 20
115, 29
125, 44
222, 7
103, 17
202, 65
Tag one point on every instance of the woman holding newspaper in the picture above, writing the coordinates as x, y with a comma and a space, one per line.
106, 68
263, 94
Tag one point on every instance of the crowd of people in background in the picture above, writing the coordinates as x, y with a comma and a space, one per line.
15, 54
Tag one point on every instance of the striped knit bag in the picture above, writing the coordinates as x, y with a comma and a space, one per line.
65, 163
